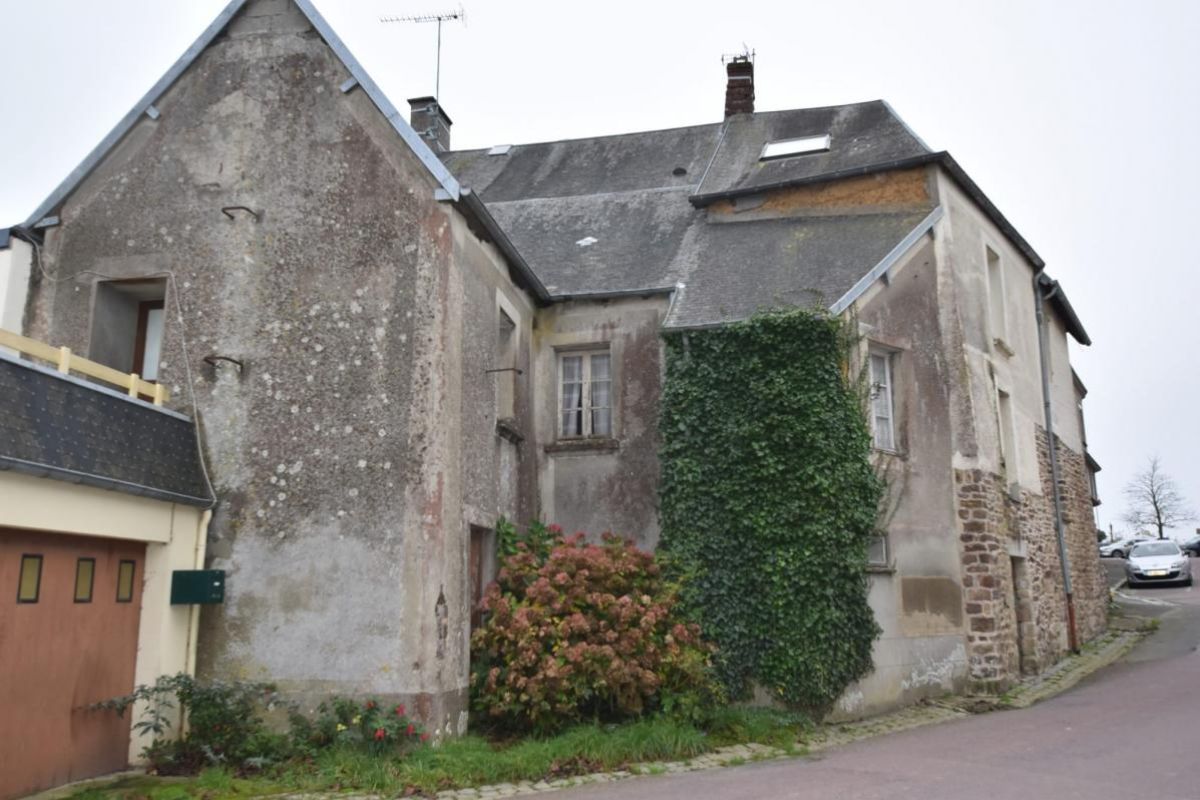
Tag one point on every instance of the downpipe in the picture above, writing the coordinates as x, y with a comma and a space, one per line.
1052, 446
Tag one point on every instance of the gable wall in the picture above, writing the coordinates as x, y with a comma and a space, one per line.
337, 452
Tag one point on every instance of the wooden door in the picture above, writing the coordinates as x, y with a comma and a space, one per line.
69, 610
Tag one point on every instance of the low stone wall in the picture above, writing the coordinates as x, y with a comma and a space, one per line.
1014, 604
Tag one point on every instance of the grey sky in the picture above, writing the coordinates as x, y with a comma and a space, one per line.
1077, 118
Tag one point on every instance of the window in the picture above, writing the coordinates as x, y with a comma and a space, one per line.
128, 321
877, 551
1008, 445
585, 394
147, 346
997, 311
785, 148
85, 575
29, 582
883, 422
125, 581
505, 369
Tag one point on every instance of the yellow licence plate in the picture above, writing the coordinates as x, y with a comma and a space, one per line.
1156, 573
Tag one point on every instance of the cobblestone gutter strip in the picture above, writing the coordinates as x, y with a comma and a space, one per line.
1062, 676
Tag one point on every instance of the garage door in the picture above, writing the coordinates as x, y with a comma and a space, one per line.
69, 608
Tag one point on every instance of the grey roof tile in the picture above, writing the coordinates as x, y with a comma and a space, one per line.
62, 428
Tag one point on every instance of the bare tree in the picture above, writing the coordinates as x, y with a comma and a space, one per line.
1154, 499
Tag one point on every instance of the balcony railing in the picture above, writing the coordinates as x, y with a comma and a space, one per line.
67, 362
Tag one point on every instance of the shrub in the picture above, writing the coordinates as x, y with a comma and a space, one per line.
369, 725
223, 724
587, 631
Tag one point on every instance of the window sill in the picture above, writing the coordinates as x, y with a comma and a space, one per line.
582, 444
897, 454
881, 569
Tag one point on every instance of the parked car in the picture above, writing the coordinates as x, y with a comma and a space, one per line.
1159, 561
1120, 549
1191, 546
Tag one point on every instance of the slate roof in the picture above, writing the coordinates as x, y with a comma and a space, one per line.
61, 427
861, 135
619, 214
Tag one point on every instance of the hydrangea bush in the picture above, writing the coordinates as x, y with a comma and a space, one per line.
585, 631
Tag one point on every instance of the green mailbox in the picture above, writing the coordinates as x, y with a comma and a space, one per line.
197, 587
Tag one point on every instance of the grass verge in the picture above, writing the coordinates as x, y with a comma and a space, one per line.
475, 761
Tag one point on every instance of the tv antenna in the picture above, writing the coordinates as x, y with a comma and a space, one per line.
439, 18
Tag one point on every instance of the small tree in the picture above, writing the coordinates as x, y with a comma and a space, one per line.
1155, 500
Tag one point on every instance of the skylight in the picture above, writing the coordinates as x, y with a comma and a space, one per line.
500, 150
785, 148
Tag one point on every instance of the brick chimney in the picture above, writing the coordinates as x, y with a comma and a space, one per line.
739, 90
431, 121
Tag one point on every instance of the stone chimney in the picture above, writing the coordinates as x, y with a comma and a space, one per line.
739, 90
431, 121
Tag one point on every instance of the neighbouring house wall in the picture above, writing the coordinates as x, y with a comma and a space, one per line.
342, 450
1012, 575
917, 599
16, 263
610, 484
175, 539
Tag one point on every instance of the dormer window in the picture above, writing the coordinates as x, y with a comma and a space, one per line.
786, 148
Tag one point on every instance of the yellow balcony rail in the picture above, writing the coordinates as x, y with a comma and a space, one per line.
67, 362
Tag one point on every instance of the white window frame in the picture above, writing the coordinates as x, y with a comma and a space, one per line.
586, 408
882, 539
889, 387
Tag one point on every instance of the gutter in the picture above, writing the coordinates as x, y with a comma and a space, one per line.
1040, 298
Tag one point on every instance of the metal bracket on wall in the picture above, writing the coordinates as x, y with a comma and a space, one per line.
504, 369
228, 209
213, 360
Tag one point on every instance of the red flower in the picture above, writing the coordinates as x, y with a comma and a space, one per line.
424, 737
410, 730
380, 733
400, 710
370, 705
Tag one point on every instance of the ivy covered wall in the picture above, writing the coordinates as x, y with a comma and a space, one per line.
769, 500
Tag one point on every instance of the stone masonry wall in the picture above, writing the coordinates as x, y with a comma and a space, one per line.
1015, 608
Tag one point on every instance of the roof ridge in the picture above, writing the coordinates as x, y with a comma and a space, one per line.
716, 125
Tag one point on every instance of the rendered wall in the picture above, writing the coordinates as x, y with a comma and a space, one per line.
608, 485
349, 451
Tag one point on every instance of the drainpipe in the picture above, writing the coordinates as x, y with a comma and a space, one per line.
1044, 357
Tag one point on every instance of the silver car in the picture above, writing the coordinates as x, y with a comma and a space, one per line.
1158, 561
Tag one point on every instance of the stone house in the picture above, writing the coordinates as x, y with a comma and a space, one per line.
387, 345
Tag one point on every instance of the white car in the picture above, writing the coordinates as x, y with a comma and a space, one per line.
1159, 561
1121, 549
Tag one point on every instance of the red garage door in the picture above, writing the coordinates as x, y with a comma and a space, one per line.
69, 608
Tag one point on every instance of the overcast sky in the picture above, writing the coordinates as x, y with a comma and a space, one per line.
1079, 119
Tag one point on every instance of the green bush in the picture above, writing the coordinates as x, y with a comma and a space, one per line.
589, 631
769, 500
224, 726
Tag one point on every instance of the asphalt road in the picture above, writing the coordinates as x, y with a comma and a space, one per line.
1130, 731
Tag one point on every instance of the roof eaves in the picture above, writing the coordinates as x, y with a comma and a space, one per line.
36, 470
469, 202
1057, 297
887, 262
122, 128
